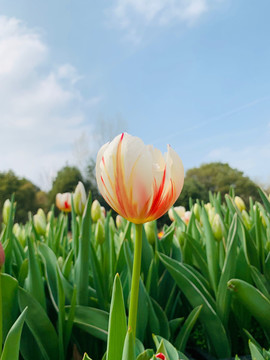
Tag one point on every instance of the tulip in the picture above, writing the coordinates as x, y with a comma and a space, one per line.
186, 217
150, 230
79, 198
6, 211
180, 211
40, 222
136, 180
160, 234
160, 356
197, 211
100, 232
96, 211
239, 202
63, 201
119, 220
247, 220
140, 184
217, 227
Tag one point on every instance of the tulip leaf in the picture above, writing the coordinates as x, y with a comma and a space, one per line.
255, 352
40, 325
91, 320
186, 329
265, 200
12, 344
129, 347
117, 323
197, 295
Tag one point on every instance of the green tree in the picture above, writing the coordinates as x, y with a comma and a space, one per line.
25, 194
216, 177
66, 180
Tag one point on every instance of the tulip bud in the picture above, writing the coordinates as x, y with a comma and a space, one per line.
186, 217
103, 211
49, 215
2, 256
150, 230
95, 210
263, 219
79, 198
160, 234
239, 202
60, 261
197, 210
217, 227
119, 221
208, 207
40, 222
100, 232
246, 219
6, 211
180, 211
19, 232
160, 356
211, 215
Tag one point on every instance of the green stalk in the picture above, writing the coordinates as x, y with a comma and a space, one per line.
1, 315
133, 307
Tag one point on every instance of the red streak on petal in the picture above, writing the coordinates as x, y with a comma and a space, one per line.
66, 205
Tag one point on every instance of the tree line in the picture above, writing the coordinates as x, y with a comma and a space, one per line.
215, 177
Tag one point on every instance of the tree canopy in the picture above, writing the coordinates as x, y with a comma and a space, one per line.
216, 177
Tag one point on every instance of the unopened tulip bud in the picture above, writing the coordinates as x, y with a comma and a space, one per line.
95, 210
239, 202
60, 261
211, 215
103, 211
217, 227
208, 207
100, 232
246, 219
197, 210
6, 211
2, 256
40, 222
263, 219
49, 215
160, 356
186, 217
79, 198
150, 230
180, 211
119, 221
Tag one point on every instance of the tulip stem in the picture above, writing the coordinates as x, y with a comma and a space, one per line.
1, 315
134, 294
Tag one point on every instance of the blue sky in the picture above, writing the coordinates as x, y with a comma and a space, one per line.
191, 73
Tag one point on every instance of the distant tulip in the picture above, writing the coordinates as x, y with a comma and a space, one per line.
217, 227
119, 220
79, 198
247, 220
239, 202
160, 356
63, 202
197, 211
100, 232
180, 211
96, 211
186, 217
136, 180
6, 211
2, 255
150, 230
40, 222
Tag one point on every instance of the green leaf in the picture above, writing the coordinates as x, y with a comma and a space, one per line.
146, 355
169, 349
186, 329
82, 262
129, 347
40, 325
254, 301
12, 344
117, 323
34, 281
211, 251
265, 200
198, 295
86, 357
255, 352
9, 301
91, 320
228, 272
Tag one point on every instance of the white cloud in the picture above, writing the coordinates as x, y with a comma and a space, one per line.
135, 15
42, 110
252, 160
